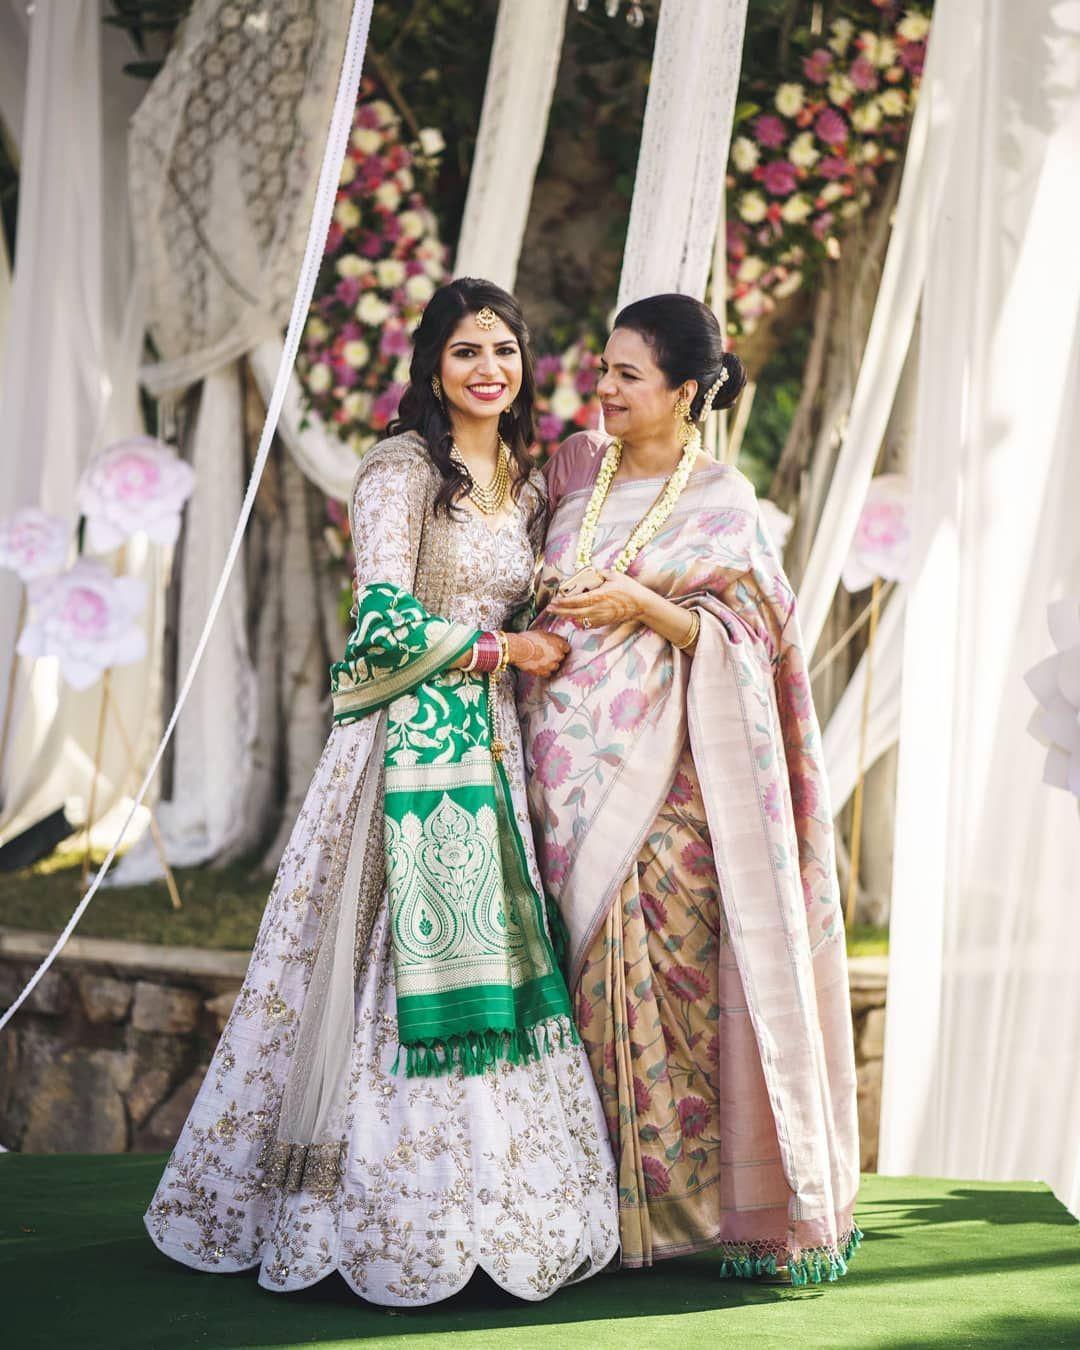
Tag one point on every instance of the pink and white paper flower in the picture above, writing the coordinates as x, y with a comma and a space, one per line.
1055, 682
136, 484
86, 618
883, 538
33, 543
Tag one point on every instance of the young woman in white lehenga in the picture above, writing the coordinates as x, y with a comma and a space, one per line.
399, 1093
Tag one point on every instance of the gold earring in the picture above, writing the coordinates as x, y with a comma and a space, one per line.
686, 428
436, 387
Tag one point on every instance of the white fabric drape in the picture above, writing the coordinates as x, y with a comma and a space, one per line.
14, 54
69, 376
513, 123
679, 184
983, 1023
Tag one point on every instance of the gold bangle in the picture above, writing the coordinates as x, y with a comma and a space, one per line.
692, 636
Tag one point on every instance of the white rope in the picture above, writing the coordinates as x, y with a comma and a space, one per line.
333, 154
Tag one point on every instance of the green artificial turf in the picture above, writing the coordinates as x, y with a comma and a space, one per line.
943, 1263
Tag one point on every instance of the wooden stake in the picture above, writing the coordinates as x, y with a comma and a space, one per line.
857, 812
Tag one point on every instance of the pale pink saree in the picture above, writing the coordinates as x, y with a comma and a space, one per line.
684, 829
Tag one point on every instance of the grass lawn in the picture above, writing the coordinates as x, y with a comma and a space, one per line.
221, 908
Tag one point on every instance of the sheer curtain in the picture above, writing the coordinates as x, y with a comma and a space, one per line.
983, 1023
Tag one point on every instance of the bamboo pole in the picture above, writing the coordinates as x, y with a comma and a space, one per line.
98, 747
857, 810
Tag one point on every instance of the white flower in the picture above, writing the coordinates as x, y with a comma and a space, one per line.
868, 152
388, 195
420, 289
745, 154
401, 370
137, 484
384, 112
86, 618
1055, 682
347, 214
867, 118
348, 171
390, 272
752, 207
802, 152
33, 543
892, 102
435, 268
431, 141
796, 208
752, 305
777, 523
356, 405
316, 329
842, 30
405, 180
332, 540
849, 210
884, 53
412, 224
831, 192
350, 265
788, 286
789, 99
367, 140
426, 248
319, 378
356, 353
750, 269
913, 27
371, 309
883, 535
565, 401
841, 89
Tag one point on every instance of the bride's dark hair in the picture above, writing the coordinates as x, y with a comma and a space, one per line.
686, 344
422, 412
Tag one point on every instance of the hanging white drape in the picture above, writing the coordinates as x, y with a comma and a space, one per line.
513, 123
679, 184
68, 375
983, 1023
14, 60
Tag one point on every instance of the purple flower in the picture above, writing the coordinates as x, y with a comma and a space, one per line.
395, 341
547, 367
817, 65
831, 127
585, 381
770, 131
779, 178
833, 167
913, 58
642, 1096
863, 75
697, 858
628, 710
822, 224
693, 1116
550, 427
348, 291
654, 910
686, 984
657, 1177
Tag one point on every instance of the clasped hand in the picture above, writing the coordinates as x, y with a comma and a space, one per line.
618, 600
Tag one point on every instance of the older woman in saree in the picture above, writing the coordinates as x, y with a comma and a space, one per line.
684, 829
399, 1092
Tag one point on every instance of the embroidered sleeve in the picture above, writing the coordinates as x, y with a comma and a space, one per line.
387, 518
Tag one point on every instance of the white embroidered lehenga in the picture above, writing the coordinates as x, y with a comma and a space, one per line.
509, 1170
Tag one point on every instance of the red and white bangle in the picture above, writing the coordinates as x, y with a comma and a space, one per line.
487, 655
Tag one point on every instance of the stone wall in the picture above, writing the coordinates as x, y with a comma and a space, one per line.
107, 1054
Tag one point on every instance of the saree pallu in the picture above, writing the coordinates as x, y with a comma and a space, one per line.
684, 830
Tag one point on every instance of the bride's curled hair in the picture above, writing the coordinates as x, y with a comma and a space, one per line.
687, 344
422, 412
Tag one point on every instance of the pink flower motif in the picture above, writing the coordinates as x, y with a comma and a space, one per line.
693, 1116
686, 984
654, 911
556, 861
723, 522
33, 543
696, 857
833, 167
796, 694
817, 65
712, 1050
779, 178
831, 127
804, 796
770, 131
631, 1015
772, 801
642, 1096
582, 1012
863, 75
137, 484
588, 673
628, 710
681, 791
657, 1177
551, 762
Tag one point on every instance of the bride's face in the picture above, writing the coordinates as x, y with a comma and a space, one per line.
481, 369
638, 402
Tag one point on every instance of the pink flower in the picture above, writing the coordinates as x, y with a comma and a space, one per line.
913, 57
686, 984
547, 367
136, 484
863, 75
833, 167
779, 178
804, 796
628, 710
723, 522
551, 762
680, 791
642, 1096
796, 694
693, 1116
550, 427
817, 65
348, 291
772, 801
657, 1177
770, 131
696, 857
583, 1011
587, 674
585, 381
33, 543
654, 910
822, 224
556, 861
831, 127
395, 341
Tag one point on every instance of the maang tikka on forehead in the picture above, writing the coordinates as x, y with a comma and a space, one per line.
486, 319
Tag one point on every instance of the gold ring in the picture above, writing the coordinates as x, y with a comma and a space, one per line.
586, 622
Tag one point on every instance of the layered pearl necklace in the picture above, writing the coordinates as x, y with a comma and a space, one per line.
650, 525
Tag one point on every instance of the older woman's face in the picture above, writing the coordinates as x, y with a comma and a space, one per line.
638, 402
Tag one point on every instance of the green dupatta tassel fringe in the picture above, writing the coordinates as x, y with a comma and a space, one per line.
475, 1052
821, 1266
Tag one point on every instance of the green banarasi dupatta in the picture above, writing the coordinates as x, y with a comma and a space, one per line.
477, 979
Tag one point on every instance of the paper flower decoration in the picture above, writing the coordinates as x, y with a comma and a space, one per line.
1055, 682
883, 536
86, 618
33, 543
777, 522
137, 484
